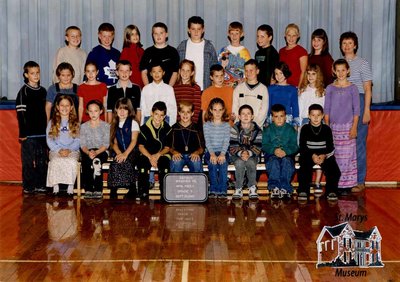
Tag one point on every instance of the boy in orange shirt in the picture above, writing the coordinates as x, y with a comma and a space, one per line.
217, 90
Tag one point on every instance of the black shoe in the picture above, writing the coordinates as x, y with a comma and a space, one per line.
28, 191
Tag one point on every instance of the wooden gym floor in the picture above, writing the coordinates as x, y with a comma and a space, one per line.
63, 239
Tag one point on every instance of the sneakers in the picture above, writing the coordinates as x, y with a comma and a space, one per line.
332, 197
275, 193
284, 194
88, 194
41, 190
253, 192
212, 195
97, 195
28, 191
238, 194
302, 196
318, 188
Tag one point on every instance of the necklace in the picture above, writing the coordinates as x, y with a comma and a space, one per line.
319, 130
186, 141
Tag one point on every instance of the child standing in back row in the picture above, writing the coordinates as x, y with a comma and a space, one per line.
342, 111
216, 135
104, 55
186, 88
233, 56
31, 114
133, 52
72, 53
162, 52
266, 55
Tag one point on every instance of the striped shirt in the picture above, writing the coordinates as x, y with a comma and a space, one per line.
217, 136
360, 72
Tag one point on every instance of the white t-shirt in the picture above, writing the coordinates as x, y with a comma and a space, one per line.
135, 125
195, 53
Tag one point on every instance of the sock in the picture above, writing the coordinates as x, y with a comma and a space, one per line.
70, 189
56, 189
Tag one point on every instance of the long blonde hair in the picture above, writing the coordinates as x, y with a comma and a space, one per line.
73, 122
319, 82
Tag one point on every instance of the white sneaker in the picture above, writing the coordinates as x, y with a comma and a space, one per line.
275, 193
253, 192
238, 194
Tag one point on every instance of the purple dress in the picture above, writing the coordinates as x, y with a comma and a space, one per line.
342, 104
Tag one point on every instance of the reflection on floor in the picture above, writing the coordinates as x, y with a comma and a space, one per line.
65, 239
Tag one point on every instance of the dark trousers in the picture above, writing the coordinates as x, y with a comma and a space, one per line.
34, 156
144, 171
330, 169
92, 175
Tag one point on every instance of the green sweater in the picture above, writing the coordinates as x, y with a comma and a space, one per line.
284, 137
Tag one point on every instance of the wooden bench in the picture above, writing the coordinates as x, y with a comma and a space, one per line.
106, 167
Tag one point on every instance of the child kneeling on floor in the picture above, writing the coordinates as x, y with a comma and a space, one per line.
244, 149
279, 143
316, 147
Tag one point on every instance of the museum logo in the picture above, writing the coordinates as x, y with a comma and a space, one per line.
340, 246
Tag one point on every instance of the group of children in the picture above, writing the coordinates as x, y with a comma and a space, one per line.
129, 100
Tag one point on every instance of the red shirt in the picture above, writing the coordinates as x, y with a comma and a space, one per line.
292, 59
91, 92
134, 54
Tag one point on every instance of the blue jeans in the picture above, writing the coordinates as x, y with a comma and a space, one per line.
177, 166
218, 174
280, 172
362, 133
242, 167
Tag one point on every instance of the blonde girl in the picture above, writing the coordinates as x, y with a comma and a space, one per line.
132, 51
342, 111
217, 135
311, 91
91, 89
294, 55
186, 88
62, 137
123, 137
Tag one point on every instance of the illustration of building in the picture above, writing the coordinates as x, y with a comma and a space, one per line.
341, 246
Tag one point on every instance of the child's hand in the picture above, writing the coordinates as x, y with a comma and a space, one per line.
221, 159
120, 158
154, 159
92, 154
245, 155
64, 152
213, 159
176, 157
22, 139
353, 132
279, 153
194, 157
